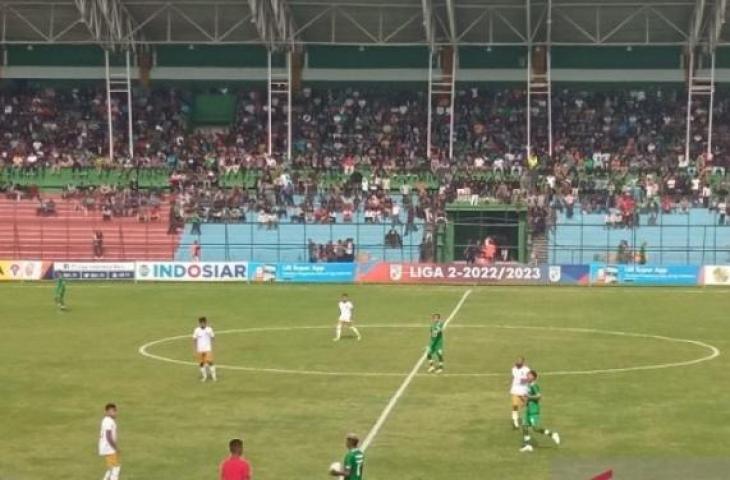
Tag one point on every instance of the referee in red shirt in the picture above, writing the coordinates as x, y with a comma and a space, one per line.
235, 467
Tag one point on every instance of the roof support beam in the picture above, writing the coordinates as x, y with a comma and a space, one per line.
427, 8
697, 21
718, 21
108, 21
451, 15
274, 22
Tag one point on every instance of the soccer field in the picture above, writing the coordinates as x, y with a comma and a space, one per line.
625, 373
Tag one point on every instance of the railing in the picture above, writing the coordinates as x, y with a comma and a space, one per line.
679, 239
290, 242
697, 237
67, 235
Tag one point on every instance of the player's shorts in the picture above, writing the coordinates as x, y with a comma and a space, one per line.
531, 420
111, 460
518, 401
205, 357
436, 348
345, 320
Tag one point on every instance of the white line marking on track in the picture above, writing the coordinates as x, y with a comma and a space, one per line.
407, 381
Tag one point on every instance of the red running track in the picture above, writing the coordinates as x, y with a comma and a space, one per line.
68, 234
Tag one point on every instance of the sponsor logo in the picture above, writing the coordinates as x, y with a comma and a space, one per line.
95, 270
396, 272
721, 274
21, 270
144, 271
189, 271
554, 273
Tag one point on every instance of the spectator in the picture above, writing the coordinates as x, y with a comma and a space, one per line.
195, 224
642, 254
106, 212
47, 208
470, 252
623, 254
489, 250
722, 211
393, 239
97, 243
195, 251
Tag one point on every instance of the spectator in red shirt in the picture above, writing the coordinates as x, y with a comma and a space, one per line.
195, 251
235, 467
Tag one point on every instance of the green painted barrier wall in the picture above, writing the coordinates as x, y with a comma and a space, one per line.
230, 56
493, 57
60, 56
616, 57
367, 57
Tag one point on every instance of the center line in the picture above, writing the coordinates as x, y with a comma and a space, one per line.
398, 393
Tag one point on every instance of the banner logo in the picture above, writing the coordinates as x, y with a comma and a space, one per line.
554, 273
396, 272
193, 271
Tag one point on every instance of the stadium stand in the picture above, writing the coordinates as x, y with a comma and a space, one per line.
300, 138
607, 143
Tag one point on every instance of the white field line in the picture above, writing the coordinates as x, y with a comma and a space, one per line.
407, 381
713, 351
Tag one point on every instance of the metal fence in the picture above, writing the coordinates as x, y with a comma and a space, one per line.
303, 242
675, 239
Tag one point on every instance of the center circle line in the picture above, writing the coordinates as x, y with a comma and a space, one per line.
714, 352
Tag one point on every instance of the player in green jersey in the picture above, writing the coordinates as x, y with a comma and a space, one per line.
352, 465
531, 419
60, 293
436, 345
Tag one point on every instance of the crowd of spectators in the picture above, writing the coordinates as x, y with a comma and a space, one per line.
113, 201
616, 153
341, 251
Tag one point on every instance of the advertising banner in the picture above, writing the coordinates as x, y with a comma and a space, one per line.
658, 275
316, 272
192, 271
21, 270
94, 270
716, 275
302, 272
569, 274
456, 273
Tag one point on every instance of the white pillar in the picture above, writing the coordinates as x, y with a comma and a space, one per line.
109, 105
268, 103
710, 112
130, 113
690, 87
454, 58
429, 123
289, 58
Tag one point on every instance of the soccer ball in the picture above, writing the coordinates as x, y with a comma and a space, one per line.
335, 467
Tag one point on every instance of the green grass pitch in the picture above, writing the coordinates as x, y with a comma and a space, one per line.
60, 368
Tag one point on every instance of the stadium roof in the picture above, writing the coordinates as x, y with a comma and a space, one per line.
364, 22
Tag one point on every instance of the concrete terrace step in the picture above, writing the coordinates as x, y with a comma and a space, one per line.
68, 234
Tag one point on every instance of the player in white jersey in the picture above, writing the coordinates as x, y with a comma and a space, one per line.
345, 320
518, 390
108, 443
203, 337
